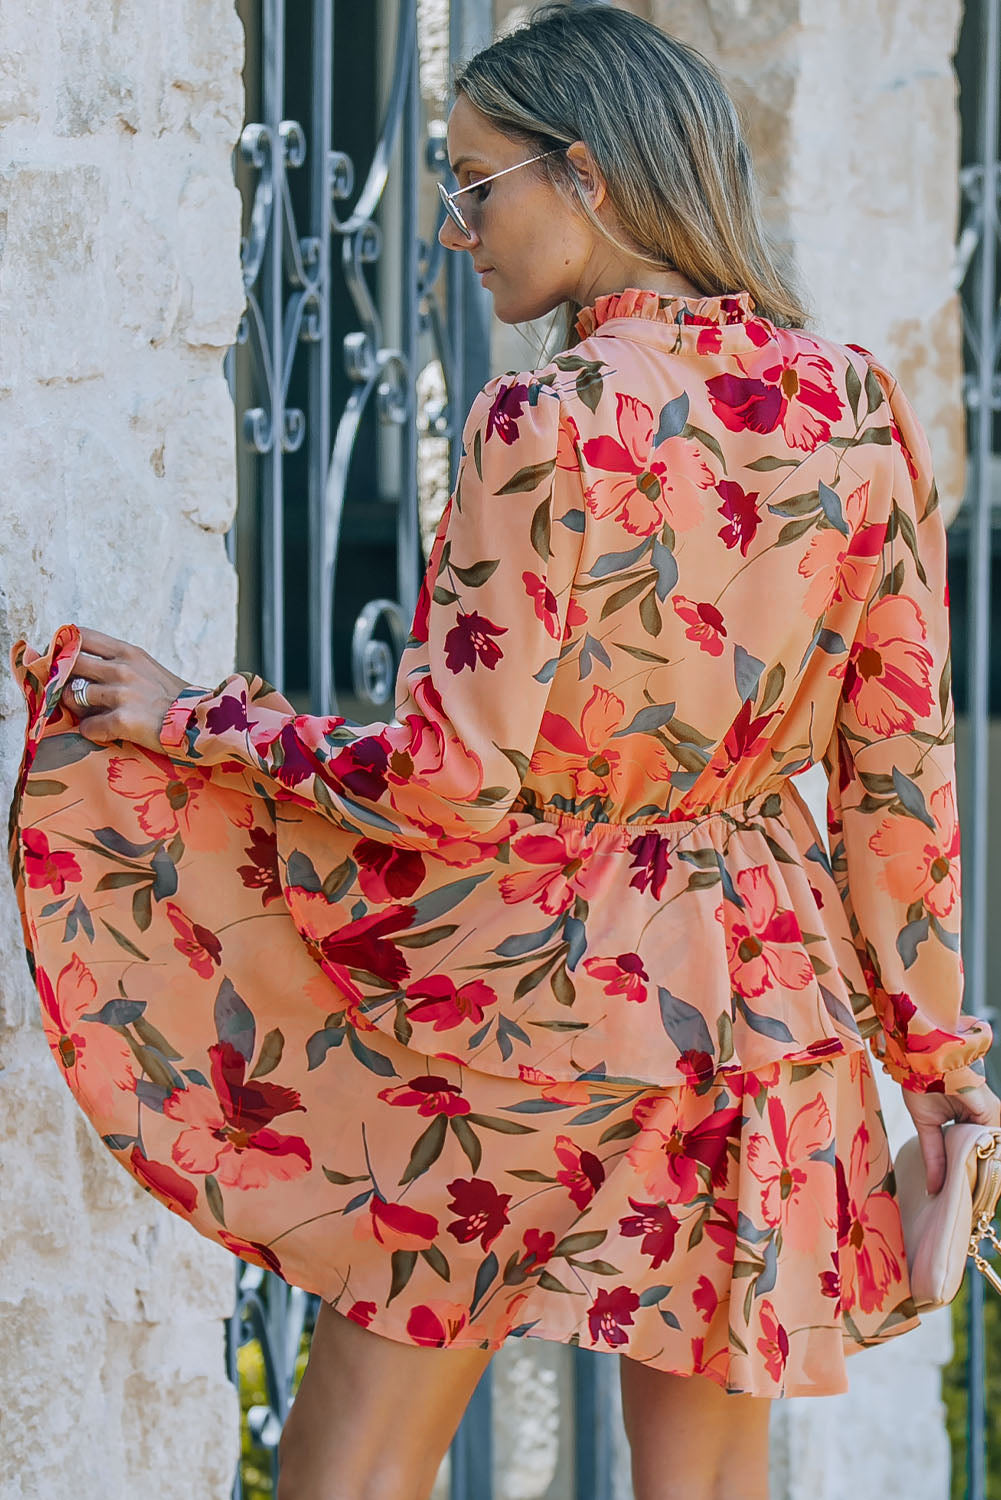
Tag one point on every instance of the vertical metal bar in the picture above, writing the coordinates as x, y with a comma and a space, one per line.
979, 614
471, 1475
407, 525
321, 669
592, 1374
272, 298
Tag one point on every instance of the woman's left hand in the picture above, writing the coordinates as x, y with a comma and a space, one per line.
128, 693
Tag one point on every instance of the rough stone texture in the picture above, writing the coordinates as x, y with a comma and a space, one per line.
119, 292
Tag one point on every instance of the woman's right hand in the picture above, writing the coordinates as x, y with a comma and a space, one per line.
980, 1106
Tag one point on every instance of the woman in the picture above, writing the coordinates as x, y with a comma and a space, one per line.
605, 995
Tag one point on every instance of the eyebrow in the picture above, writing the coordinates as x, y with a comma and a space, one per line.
456, 166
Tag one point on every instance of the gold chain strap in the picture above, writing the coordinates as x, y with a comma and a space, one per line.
983, 1228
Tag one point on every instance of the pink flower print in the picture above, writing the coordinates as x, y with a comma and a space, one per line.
228, 1127
653, 486
624, 975
774, 1342
96, 1059
581, 1171
554, 1089
567, 444
546, 607
47, 867
253, 1251
922, 864
740, 512
839, 567
469, 642
560, 870
610, 1313
583, 754
396, 1226
199, 945
705, 624
667, 1156
795, 392
764, 941
440, 1000
870, 1237
177, 1192
793, 1192
887, 676
435, 1325
171, 799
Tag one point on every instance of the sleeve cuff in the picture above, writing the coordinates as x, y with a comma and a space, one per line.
173, 730
954, 1081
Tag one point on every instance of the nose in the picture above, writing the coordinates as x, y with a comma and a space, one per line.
452, 237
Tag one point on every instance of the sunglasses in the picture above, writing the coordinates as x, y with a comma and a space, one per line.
455, 213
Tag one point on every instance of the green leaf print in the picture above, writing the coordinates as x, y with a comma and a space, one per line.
684, 1024
673, 417
402, 1263
527, 479
234, 1021
426, 1150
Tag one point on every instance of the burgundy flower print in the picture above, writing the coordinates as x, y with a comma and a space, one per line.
388, 873
469, 641
658, 1226
651, 862
262, 872
481, 1210
610, 1314
506, 408
581, 1172
446, 1004
429, 1095
740, 512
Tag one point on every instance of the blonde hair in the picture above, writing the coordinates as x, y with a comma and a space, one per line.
663, 131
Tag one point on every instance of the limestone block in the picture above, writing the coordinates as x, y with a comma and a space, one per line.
20, 70
209, 212
98, 69
200, 57
147, 276
52, 272
198, 465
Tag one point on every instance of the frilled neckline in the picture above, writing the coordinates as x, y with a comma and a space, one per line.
655, 307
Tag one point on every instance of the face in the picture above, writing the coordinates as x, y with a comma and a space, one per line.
529, 247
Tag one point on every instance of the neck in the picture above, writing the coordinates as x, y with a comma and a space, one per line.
615, 278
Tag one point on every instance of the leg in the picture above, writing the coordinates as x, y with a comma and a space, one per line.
372, 1419
690, 1440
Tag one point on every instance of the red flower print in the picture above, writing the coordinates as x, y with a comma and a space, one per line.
774, 1343
361, 768
95, 1059
705, 1298
446, 1004
625, 975
387, 873
562, 869
481, 1210
899, 1011
870, 1237
361, 1313
539, 1249
262, 873
651, 861
551, 1088
199, 945
172, 799
546, 606
505, 409
399, 1227
655, 485
429, 1095
886, 678
228, 1127
921, 864
830, 1281
716, 1366
468, 642
794, 1190
658, 1226
746, 736
177, 1192
47, 867
667, 1156
366, 944
435, 1325
582, 1172
721, 1228
764, 941
252, 1251
705, 624
609, 1313
795, 391
740, 512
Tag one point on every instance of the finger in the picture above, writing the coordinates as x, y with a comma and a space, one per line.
97, 668
933, 1152
99, 698
96, 643
101, 728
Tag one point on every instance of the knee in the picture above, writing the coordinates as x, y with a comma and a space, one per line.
300, 1481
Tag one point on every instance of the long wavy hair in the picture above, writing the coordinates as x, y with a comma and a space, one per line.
662, 129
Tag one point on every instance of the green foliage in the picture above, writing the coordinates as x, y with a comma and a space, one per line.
954, 1390
255, 1462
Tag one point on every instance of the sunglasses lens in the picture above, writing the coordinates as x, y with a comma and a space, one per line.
452, 211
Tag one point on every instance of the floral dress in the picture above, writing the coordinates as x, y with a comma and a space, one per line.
544, 1009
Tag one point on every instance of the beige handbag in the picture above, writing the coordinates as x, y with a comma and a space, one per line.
941, 1231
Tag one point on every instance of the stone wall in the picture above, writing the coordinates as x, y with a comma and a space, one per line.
117, 118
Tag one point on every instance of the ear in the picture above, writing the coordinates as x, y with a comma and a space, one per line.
588, 172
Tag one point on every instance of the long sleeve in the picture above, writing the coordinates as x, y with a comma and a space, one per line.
892, 806
474, 678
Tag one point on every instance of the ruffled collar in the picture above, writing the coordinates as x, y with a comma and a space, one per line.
736, 308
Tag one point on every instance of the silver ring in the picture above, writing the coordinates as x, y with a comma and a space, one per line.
78, 687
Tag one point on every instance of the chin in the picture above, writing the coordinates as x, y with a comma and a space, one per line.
514, 307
